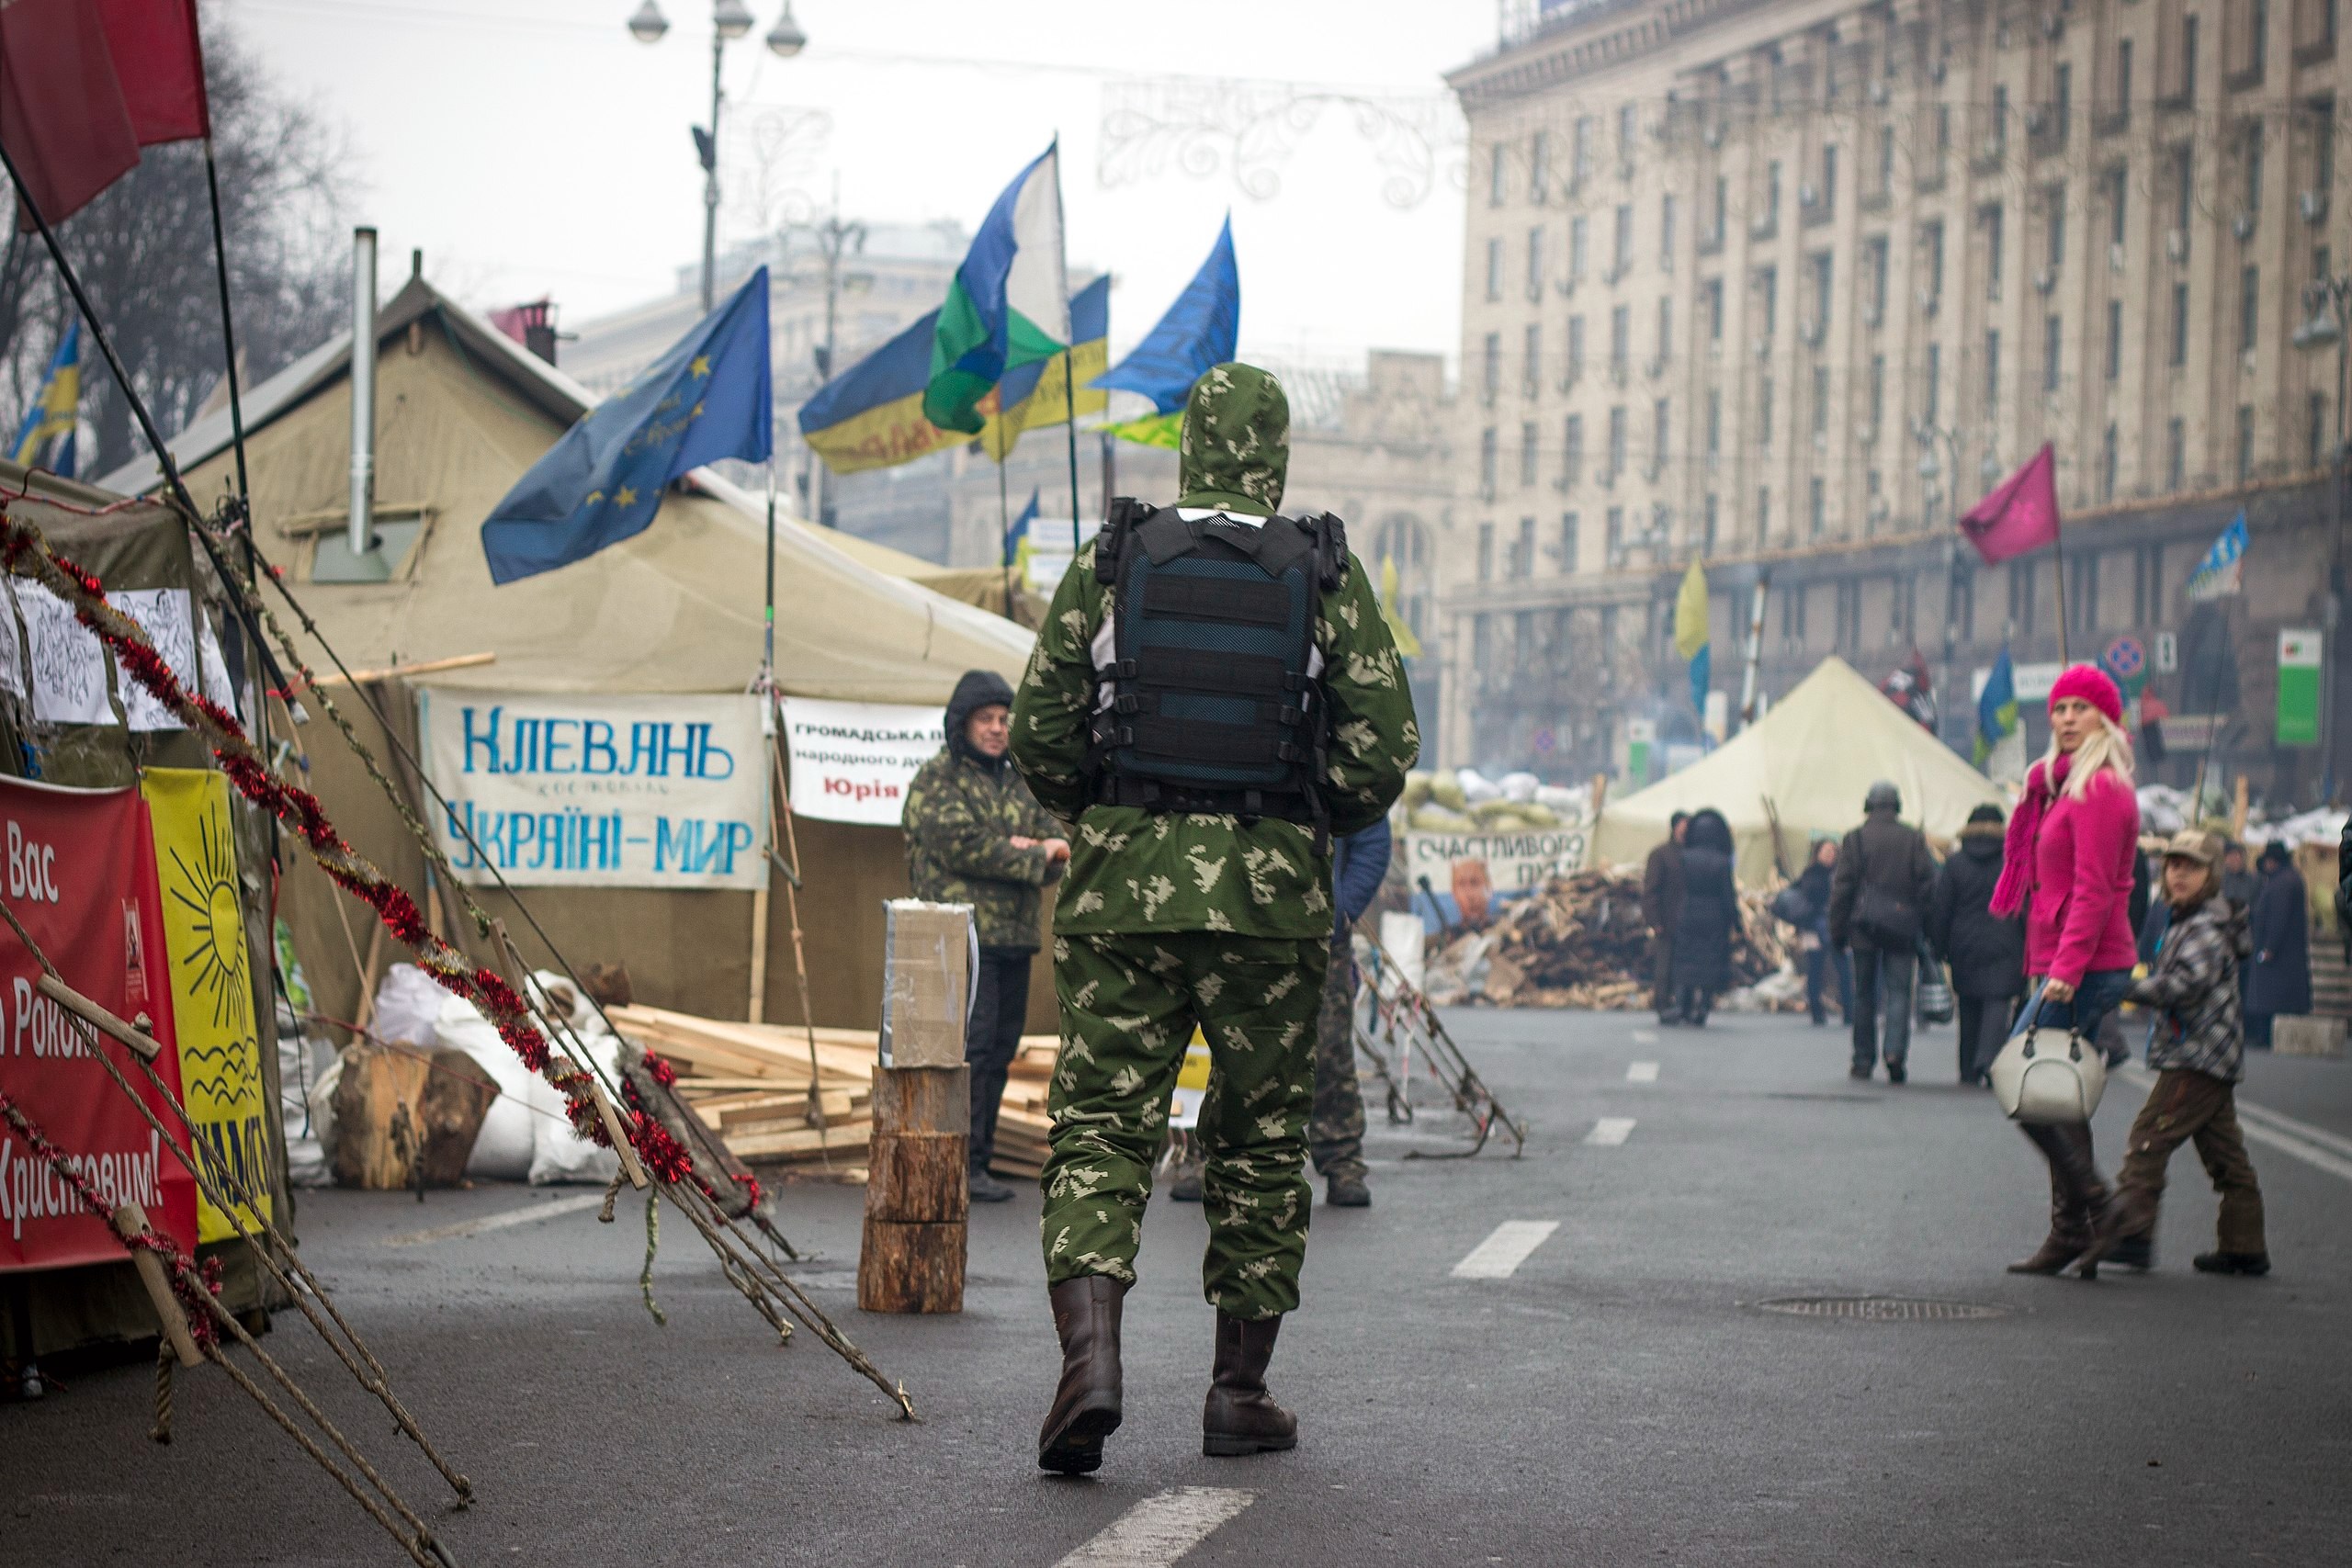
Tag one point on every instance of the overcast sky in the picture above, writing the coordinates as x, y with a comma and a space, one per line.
534, 147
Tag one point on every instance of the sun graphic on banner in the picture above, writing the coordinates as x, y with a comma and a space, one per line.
215, 961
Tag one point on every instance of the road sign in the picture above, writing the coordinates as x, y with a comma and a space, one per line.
2124, 657
2167, 653
1545, 740
2298, 658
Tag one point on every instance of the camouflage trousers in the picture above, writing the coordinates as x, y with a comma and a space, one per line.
1128, 1007
1335, 1137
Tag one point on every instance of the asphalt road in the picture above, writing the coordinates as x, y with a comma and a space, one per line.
1619, 1397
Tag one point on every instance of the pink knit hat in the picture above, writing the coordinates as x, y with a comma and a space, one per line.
2091, 684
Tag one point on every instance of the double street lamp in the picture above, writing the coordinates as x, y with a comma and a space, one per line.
730, 20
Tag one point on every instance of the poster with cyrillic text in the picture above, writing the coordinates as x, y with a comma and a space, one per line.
853, 761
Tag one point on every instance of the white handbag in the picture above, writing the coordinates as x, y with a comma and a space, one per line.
2044, 1077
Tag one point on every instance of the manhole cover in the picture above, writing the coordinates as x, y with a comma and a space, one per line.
1881, 1309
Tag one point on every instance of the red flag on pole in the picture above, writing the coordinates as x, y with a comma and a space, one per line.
84, 86
61, 112
2019, 518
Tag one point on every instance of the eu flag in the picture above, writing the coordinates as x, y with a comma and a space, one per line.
708, 397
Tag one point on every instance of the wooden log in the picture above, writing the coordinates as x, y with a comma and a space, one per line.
399, 1105
918, 1177
923, 1099
457, 1095
910, 1268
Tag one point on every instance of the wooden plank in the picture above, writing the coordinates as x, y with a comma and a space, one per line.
910, 1268
849, 1136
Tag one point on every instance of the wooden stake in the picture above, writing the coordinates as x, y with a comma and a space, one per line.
2238, 810
757, 1011
630, 1166
98, 1018
130, 1222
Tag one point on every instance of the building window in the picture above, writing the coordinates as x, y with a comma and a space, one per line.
2117, 182
1816, 508
1659, 412
1572, 451
1575, 347
1495, 173
2055, 219
1535, 263
1828, 181
1707, 540
1714, 421
1821, 402
1531, 375
2107, 465
1625, 132
2249, 307
1764, 412
1713, 294
1528, 441
1620, 337
2062, 99
1821, 279
1482, 642
1620, 259
1989, 218
1932, 403
1608, 636
1665, 330
1764, 519
1959, 601
1485, 552
1771, 193
1999, 138
1489, 457
1792, 613
2175, 454
1875, 250
1522, 555
1932, 241
1849, 634
1665, 234
2148, 585
2114, 339
2022, 606
1494, 373
1613, 535
1493, 269
2316, 415
2184, 183
2245, 442
1569, 543
1616, 441
1885, 159
2052, 340
2179, 354
1723, 210
2123, 110
1768, 283
1878, 391
2253, 161
1580, 148
1539, 167
1992, 374
2082, 593
2189, 58
1580, 247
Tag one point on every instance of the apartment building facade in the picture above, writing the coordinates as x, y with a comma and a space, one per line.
1786, 287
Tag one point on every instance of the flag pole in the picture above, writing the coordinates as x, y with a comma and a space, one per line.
1069, 428
2058, 552
1004, 539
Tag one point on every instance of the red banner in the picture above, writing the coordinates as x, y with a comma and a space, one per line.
78, 868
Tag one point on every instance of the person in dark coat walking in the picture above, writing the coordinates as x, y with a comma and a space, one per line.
1821, 956
1876, 896
2279, 978
1709, 915
1985, 952
1661, 906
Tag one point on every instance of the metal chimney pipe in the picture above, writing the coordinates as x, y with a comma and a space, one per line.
363, 391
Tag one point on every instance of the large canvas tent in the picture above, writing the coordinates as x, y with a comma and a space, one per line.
1810, 758
462, 411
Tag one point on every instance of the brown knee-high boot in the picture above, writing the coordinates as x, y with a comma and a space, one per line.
1086, 1405
1241, 1416
2077, 1194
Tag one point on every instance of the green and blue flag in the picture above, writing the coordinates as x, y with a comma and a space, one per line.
710, 396
1009, 305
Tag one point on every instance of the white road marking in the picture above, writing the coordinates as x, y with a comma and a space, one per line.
1641, 1072
1161, 1529
528, 1215
1610, 1131
1645, 1037
1499, 1255
2315, 1146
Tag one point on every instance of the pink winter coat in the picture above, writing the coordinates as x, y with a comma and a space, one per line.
2079, 892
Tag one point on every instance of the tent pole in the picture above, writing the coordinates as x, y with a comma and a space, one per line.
1069, 428
756, 1008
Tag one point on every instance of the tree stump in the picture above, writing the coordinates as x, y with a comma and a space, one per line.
917, 1197
400, 1108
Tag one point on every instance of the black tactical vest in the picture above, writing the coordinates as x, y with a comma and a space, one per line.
1211, 699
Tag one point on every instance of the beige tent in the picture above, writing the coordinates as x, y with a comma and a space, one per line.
462, 411
1810, 758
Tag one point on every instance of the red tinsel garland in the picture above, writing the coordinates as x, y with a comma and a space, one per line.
22, 545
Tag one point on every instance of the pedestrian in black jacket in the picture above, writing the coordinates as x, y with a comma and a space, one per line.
2279, 978
1708, 916
1876, 896
1985, 952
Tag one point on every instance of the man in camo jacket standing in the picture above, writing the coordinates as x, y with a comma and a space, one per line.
1168, 918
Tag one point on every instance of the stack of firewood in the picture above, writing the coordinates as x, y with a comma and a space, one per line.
1021, 1122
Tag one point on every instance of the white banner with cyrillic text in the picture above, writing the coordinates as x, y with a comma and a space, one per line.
662, 791
853, 761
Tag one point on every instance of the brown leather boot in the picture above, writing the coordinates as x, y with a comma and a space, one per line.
2077, 1196
1086, 1405
1241, 1416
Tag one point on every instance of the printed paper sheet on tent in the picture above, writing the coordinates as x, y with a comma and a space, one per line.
564, 791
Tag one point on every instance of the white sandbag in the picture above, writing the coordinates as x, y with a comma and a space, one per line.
502, 1151
558, 1152
1521, 787
306, 1155
1475, 787
408, 1002
322, 1123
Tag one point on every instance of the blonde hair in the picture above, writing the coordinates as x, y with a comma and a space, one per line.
2106, 747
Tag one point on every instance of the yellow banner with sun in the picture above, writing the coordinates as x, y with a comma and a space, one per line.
212, 988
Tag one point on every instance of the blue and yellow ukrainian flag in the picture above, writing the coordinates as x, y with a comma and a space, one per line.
1996, 707
50, 422
870, 416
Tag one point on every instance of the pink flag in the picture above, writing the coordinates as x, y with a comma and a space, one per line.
2020, 516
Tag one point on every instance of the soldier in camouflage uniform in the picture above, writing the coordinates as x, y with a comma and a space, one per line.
1335, 1138
976, 836
1170, 920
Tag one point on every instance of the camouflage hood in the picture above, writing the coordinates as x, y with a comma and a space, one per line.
1236, 442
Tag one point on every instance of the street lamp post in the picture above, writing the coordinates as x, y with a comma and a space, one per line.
730, 20
1928, 473
2326, 298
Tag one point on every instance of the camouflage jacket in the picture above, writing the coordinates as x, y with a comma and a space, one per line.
960, 822
1134, 870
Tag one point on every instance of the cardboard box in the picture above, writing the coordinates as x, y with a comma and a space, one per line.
931, 953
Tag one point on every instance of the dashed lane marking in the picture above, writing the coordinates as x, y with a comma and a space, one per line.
1610, 1131
1645, 1037
1161, 1529
2316, 1147
530, 1213
1641, 1072
1499, 1255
